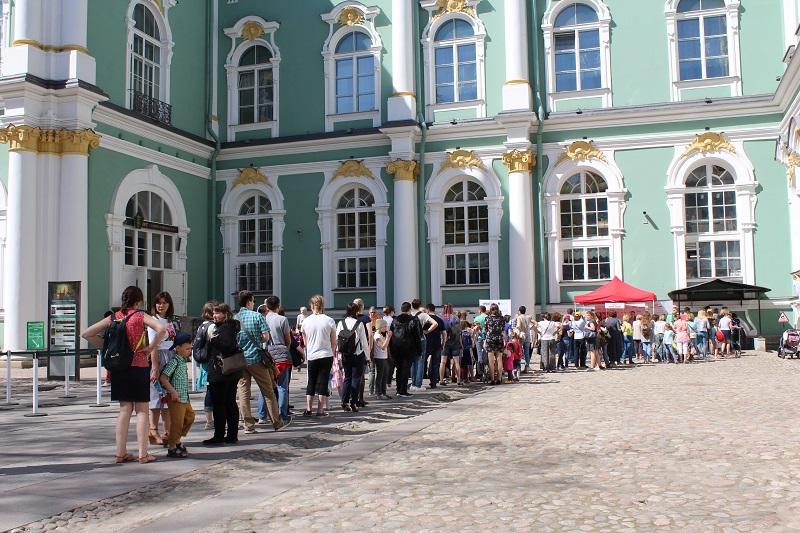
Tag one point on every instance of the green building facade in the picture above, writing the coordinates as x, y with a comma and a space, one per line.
452, 150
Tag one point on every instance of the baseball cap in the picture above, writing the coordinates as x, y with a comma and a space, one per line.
180, 338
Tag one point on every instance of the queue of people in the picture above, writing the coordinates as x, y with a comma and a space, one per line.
419, 343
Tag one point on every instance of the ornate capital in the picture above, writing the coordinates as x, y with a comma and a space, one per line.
580, 151
403, 170
252, 30
461, 159
49, 142
78, 141
453, 6
708, 142
352, 169
350, 16
21, 138
519, 161
250, 176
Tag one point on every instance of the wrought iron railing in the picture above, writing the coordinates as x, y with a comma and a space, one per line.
151, 107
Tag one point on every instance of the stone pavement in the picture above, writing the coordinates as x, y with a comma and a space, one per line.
700, 447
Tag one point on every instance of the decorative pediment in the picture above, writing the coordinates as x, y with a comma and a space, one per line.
708, 142
581, 151
352, 169
250, 176
461, 159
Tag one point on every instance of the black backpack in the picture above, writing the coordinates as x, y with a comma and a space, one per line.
117, 352
347, 339
405, 334
200, 345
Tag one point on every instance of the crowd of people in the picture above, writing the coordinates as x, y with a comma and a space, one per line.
361, 356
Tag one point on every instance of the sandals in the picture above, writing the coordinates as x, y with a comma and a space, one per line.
165, 439
147, 458
127, 458
154, 438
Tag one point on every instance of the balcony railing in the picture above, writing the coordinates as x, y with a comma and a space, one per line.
151, 107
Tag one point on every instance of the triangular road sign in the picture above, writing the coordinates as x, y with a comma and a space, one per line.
783, 318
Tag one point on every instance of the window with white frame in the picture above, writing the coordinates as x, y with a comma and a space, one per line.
584, 228
355, 240
712, 233
254, 270
577, 49
145, 55
256, 86
146, 247
455, 62
702, 39
354, 73
466, 234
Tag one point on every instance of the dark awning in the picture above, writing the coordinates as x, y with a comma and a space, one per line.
718, 289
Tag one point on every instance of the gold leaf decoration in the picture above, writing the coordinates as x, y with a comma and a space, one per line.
352, 169
250, 176
794, 162
453, 6
580, 151
403, 170
461, 159
350, 17
708, 142
252, 30
519, 160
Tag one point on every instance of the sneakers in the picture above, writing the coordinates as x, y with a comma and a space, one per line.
404, 394
262, 422
323, 414
209, 425
286, 424
307, 413
250, 431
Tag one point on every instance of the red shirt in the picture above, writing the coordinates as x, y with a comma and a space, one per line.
136, 336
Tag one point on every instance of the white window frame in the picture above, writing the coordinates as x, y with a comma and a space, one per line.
733, 80
166, 44
466, 248
357, 253
367, 26
615, 193
147, 179
435, 192
229, 216
745, 186
327, 211
428, 55
239, 46
256, 69
256, 257
151, 234
549, 32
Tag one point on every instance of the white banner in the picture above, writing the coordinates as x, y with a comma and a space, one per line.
504, 305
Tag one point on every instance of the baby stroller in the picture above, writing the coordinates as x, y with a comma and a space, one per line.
789, 344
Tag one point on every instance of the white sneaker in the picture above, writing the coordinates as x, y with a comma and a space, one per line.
209, 425
412, 388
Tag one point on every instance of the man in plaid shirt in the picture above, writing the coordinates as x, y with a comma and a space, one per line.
175, 379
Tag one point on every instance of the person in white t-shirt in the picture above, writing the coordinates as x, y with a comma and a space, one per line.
319, 338
725, 327
300, 318
380, 358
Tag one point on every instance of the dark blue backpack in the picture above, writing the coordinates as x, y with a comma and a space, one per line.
466, 340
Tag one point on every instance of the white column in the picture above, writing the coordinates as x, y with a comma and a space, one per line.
28, 22
402, 105
520, 239
73, 226
406, 268
74, 20
517, 89
22, 288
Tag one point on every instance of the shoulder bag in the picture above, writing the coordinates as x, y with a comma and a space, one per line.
265, 356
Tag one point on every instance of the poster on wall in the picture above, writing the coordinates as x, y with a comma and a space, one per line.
63, 324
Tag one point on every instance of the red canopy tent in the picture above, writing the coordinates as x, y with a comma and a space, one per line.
615, 290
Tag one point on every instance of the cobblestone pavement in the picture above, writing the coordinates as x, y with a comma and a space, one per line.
700, 447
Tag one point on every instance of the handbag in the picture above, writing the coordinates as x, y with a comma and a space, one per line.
263, 354
297, 357
232, 363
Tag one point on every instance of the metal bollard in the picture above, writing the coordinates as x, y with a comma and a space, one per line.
99, 382
66, 375
8, 381
36, 411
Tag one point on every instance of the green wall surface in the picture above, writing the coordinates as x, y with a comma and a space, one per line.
464, 297
762, 46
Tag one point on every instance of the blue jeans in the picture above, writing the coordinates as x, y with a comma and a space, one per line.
702, 343
526, 352
283, 397
418, 367
647, 350
353, 367
627, 348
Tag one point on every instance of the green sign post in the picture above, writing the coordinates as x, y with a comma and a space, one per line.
36, 336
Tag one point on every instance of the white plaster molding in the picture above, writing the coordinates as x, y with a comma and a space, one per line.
153, 156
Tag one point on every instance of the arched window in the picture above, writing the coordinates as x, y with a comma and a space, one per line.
254, 270
703, 45
584, 228
577, 49
355, 73
702, 39
466, 234
712, 233
455, 57
255, 86
149, 53
355, 239
149, 242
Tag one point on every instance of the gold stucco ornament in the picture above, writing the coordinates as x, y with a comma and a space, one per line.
252, 30
403, 170
350, 16
708, 142
352, 169
580, 151
461, 159
519, 160
250, 176
454, 6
